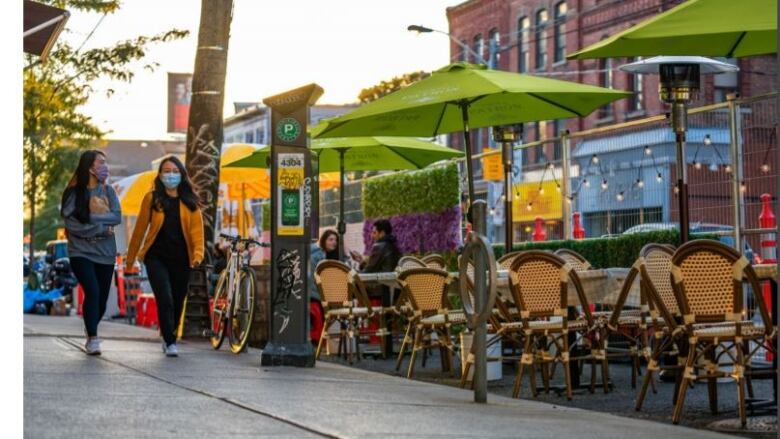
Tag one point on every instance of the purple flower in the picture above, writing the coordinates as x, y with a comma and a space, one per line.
419, 232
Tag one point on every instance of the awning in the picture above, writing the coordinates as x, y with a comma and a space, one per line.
42, 25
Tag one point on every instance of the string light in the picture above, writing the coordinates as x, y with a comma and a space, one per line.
714, 167
604, 184
529, 206
557, 187
765, 168
595, 159
707, 140
569, 199
586, 183
728, 169
541, 190
658, 177
742, 187
640, 184
620, 196
696, 164
648, 151
492, 212
676, 189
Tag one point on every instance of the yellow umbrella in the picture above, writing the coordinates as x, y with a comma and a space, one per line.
131, 191
251, 182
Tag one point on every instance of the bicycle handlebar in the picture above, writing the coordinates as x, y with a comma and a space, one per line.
235, 239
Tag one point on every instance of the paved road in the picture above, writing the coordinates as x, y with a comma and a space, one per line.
132, 390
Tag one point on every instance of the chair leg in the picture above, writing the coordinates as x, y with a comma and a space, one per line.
323, 337
592, 375
448, 350
406, 342
418, 342
521, 370
546, 376
678, 407
532, 377
605, 372
464, 378
741, 387
565, 365
648, 378
712, 385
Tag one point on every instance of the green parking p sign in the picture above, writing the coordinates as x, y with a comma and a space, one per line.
288, 129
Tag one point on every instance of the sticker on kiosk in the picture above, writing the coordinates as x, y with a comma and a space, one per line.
290, 194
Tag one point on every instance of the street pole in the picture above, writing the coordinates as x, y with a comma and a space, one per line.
507, 135
566, 184
342, 226
204, 133
736, 173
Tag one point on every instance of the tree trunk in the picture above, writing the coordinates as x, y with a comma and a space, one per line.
32, 199
204, 133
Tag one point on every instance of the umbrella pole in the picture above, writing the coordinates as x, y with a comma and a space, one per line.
342, 226
464, 108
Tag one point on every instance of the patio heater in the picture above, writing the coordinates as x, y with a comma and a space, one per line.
679, 84
507, 135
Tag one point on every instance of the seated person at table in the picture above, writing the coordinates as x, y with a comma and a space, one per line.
326, 248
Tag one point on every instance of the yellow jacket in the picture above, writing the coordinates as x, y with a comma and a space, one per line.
152, 219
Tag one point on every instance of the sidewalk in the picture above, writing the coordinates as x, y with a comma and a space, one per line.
132, 390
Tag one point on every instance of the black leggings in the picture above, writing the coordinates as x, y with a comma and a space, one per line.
169, 283
95, 279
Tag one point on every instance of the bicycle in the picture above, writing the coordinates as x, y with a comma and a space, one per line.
234, 297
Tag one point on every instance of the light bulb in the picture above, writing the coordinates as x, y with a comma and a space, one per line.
658, 178
727, 169
696, 164
620, 196
569, 200
541, 191
743, 187
640, 183
604, 185
707, 140
529, 206
492, 212
557, 187
676, 190
765, 168
648, 151
587, 183
595, 158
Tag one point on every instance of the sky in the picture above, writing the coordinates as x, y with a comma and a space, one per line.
342, 45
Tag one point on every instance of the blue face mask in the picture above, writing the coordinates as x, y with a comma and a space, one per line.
170, 181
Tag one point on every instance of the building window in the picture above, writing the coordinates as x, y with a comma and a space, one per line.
605, 80
524, 35
464, 53
249, 137
540, 35
258, 138
540, 131
558, 126
636, 100
478, 47
560, 32
725, 83
495, 45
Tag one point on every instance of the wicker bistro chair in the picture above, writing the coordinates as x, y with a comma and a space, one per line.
341, 290
707, 277
576, 260
426, 289
408, 262
435, 261
539, 282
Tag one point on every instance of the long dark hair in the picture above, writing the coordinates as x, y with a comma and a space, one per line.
78, 185
186, 190
333, 254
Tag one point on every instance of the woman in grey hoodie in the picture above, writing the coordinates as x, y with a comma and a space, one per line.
90, 210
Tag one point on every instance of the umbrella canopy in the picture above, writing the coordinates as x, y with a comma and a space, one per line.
724, 28
131, 191
363, 154
435, 105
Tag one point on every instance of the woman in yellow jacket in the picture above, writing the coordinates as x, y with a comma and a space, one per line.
168, 238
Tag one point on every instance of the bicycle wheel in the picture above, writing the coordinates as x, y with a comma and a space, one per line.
243, 310
219, 311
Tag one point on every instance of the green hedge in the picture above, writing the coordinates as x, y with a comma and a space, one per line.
616, 251
429, 190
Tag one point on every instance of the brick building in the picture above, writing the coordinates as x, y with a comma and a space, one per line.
534, 37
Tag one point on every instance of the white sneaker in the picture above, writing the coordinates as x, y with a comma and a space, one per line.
93, 346
171, 350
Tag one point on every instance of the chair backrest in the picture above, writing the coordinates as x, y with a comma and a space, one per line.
332, 282
435, 261
425, 288
576, 260
539, 283
408, 262
655, 268
707, 276
504, 262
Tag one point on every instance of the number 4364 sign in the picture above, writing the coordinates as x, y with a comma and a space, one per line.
290, 194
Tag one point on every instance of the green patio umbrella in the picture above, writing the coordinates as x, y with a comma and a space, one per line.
463, 96
362, 154
725, 28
